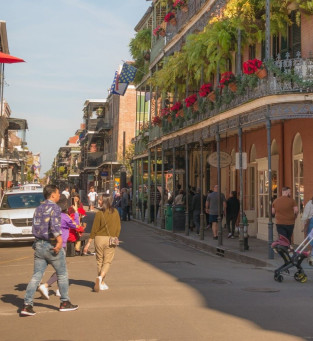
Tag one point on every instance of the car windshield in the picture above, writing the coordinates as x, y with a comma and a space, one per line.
21, 200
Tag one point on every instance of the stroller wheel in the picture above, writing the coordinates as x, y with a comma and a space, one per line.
278, 278
299, 276
304, 278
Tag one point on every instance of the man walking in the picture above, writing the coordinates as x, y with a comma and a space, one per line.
211, 207
285, 210
48, 250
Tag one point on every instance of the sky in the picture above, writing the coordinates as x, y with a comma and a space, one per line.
72, 49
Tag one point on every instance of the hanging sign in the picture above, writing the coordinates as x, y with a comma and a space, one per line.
225, 159
244, 161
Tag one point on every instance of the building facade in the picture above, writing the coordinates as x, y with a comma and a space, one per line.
265, 121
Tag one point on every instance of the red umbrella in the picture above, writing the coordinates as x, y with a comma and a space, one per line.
8, 59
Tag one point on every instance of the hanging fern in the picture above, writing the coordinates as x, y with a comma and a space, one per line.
141, 43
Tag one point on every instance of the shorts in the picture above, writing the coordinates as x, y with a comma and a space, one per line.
92, 202
213, 218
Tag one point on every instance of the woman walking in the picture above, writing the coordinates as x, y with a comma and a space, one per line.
106, 225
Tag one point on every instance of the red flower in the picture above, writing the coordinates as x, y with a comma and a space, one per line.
177, 106
205, 89
165, 112
179, 3
191, 100
156, 121
252, 65
169, 16
157, 30
227, 77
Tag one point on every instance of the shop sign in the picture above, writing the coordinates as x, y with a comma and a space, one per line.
225, 159
244, 161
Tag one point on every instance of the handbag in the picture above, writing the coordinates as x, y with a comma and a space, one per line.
113, 241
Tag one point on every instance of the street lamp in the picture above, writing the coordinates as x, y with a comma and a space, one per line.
96, 181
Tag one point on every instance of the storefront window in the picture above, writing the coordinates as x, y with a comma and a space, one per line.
263, 203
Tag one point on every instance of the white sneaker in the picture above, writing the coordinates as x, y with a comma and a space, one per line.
57, 293
310, 260
97, 284
44, 291
229, 235
103, 286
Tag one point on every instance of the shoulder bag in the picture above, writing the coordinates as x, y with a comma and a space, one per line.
113, 241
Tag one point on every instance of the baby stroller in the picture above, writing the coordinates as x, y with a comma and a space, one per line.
291, 257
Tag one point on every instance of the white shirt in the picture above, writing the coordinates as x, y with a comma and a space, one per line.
66, 193
92, 196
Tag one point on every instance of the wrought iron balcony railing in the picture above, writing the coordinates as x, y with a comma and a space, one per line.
290, 75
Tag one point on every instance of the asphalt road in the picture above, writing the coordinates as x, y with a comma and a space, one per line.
158, 290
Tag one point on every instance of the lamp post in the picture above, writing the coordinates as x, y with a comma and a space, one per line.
96, 181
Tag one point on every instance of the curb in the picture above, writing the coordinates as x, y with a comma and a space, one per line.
216, 250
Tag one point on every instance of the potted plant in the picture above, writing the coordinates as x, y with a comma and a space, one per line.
159, 31
206, 91
156, 121
255, 66
175, 109
181, 4
191, 101
170, 17
229, 79
166, 114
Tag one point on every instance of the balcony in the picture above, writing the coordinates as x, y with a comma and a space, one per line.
157, 48
99, 124
284, 77
94, 159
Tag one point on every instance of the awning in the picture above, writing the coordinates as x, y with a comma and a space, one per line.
8, 59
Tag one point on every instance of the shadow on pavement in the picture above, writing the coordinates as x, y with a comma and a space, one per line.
18, 302
82, 282
156, 249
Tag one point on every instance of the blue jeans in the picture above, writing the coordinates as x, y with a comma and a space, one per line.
44, 255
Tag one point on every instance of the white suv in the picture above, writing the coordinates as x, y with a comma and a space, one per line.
16, 213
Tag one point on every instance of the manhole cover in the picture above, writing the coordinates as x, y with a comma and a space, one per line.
266, 290
206, 281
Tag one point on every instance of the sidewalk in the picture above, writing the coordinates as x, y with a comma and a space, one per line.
256, 255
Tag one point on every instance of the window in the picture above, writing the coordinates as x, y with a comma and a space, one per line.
263, 192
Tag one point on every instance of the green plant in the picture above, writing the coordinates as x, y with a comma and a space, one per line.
141, 43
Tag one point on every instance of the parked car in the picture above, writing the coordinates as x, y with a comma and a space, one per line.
16, 213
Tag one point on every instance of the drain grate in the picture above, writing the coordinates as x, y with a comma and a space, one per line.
265, 290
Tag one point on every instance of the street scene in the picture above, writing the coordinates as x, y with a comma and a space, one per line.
155, 170
159, 289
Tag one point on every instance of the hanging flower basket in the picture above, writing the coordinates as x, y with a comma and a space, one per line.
232, 87
173, 22
170, 18
261, 73
189, 101
185, 9
205, 89
162, 33
212, 96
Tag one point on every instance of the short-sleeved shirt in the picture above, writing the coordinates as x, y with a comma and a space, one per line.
47, 221
212, 198
284, 212
92, 196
